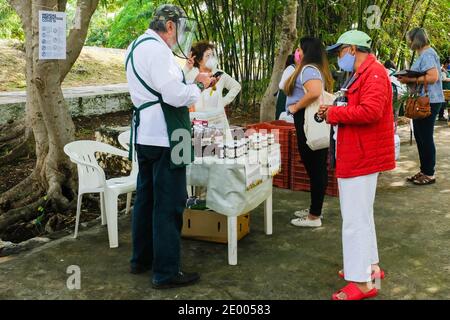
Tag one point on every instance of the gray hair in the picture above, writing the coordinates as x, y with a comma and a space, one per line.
418, 38
158, 25
165, 13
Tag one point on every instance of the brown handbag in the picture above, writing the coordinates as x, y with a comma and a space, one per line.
418, 107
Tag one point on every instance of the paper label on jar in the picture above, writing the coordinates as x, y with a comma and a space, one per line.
252, 175
274, 159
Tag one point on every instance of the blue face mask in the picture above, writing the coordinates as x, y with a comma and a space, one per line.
347, 62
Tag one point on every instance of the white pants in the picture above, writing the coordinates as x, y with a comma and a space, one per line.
359, 240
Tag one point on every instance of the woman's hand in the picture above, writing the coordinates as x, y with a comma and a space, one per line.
293, 108
406, 80
190, 62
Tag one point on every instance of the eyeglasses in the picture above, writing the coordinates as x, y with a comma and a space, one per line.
341, 49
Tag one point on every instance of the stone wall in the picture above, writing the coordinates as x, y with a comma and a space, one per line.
84, 105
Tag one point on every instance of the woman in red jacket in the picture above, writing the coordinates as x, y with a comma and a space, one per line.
364, 132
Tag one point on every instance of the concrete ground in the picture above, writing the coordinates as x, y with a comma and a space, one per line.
413, 226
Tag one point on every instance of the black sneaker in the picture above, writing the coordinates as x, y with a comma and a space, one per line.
182, 279
139, 268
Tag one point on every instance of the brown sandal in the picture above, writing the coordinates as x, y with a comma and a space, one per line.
414, 177
424, 180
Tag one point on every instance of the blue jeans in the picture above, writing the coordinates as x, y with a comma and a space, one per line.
423, 133
158, 213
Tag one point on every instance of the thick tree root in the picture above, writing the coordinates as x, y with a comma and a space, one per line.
8, 198
33, 206
26, 213
8, 133
21, 149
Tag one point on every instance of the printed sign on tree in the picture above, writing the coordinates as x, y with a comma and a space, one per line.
52, 35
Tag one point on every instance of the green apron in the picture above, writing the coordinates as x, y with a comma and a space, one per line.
176, 118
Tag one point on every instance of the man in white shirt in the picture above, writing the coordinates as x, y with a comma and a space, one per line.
160, 96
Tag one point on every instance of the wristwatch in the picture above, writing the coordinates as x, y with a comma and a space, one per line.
200, 85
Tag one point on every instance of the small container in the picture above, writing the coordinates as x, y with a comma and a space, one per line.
220, 151
257, 142
246, 145
239, 148
264, 142
230, 151
218, 136
207, 137
271, 138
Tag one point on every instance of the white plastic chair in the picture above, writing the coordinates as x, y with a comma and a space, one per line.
91, 179
124, 141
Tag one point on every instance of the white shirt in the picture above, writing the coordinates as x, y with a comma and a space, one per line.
210, 99
287, 73
156, 65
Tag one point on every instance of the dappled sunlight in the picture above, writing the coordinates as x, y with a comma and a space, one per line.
432, 289
398, 184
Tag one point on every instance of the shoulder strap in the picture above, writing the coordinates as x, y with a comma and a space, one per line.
312, 66
130, 57
425, 84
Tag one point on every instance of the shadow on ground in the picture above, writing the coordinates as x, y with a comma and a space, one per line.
413, 226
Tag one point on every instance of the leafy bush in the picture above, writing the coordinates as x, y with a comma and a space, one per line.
10, 26
131, 21
99, 29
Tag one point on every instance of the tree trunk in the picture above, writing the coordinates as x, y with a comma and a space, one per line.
47, 116
288, 37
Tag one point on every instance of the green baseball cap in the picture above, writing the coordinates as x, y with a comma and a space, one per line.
352, 37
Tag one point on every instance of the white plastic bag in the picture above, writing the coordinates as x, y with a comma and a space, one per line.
317, 133
285, 117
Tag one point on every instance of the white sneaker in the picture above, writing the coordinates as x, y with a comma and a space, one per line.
305, 222
303, 213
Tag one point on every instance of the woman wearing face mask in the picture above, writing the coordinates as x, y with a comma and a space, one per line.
311, 73
203, 60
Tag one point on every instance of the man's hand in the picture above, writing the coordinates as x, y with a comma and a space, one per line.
190, 62
205, 79
323, 112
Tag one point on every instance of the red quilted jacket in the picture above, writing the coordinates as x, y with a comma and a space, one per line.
365, 142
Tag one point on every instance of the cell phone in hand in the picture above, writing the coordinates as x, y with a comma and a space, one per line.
218, 74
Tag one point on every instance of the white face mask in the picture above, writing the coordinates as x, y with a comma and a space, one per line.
212, 63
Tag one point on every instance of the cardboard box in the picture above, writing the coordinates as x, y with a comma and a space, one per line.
211, 226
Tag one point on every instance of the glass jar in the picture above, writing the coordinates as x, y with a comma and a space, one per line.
271, 138
230, 151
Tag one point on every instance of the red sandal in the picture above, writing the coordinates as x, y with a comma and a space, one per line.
375, 275
353, 292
